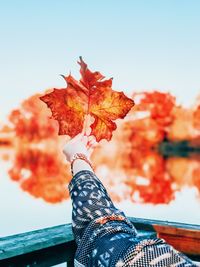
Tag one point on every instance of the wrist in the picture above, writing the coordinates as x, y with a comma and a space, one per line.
75, 155
81, 161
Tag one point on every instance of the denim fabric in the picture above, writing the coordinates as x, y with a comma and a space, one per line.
105, 237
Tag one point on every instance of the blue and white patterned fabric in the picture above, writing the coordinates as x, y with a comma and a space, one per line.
106, 238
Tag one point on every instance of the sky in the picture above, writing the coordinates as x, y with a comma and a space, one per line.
142, 44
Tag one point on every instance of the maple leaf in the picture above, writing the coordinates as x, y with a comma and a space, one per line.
93, 96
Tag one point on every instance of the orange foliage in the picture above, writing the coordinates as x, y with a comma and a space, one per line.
185, 171
160, 105
38, 164
31, 121
40, 173
135, 160
184, 125
129, 165
145, 133
158, 191
197, 118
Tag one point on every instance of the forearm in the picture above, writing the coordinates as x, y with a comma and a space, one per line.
80, 165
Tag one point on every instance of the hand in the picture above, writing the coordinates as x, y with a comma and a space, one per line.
78, 144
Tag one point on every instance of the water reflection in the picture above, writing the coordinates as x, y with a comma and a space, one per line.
153, 154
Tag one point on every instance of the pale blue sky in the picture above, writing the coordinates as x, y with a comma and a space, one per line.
142, 44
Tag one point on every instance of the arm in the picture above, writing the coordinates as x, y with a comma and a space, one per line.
93, 212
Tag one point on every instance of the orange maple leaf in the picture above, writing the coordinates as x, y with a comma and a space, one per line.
93, 96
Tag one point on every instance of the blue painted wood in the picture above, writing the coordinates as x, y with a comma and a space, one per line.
42, 246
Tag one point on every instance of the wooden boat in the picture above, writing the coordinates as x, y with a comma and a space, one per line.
55, 245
